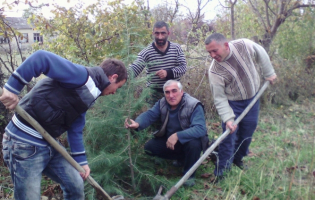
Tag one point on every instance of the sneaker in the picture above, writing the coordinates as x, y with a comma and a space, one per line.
177, 163
189, 182
240, 164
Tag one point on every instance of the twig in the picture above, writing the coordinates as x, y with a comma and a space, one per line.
293, 173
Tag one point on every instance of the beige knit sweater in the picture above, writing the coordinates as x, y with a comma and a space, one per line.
237, 78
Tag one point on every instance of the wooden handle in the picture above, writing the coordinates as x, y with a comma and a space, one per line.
59, 148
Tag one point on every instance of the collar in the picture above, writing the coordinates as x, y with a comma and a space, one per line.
99, 77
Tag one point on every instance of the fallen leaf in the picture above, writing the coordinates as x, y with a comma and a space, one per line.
280, 188
206, 175
314, 173
256, 198
243, 192
206, 185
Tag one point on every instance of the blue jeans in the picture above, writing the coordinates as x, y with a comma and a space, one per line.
27, 163
235, 146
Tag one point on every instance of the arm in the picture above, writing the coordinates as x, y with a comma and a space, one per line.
217, 86
144, 119
197, 127
70, 75
263, 60
138, 65
180, 69
75, 139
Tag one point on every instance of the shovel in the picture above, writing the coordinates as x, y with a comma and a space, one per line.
170, 193
61, 150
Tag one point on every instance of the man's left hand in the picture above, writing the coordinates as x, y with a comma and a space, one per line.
161, 73
272, 79
87, 172
171, 141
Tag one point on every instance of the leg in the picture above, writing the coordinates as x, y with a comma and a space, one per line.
157, 147
26, 163
247, 128
225, 153
60, 171
192, 151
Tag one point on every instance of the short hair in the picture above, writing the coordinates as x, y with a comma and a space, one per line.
112, 66
218, 37
169, 82
160, 24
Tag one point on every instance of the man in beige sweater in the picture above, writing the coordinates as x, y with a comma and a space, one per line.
234, 81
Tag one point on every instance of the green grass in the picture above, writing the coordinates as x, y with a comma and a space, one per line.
280, 167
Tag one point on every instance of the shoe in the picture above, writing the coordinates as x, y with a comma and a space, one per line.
177, 163
240, 164
189, 182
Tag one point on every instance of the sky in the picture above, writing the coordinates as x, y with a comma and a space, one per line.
210, 10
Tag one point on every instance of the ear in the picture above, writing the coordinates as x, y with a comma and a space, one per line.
113, 78
226, 45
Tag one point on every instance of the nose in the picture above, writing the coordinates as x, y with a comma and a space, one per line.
212, 54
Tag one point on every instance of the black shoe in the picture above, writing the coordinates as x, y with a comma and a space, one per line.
240, 164
189, 182
177, 163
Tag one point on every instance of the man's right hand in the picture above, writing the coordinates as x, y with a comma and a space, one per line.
132, 125
229, 125
9, 99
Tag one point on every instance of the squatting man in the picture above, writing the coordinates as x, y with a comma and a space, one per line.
185, 131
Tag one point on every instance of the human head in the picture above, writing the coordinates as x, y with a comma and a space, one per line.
173, 91
160, 33
217, 46
116, 72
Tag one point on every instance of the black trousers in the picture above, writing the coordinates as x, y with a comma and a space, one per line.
187, 153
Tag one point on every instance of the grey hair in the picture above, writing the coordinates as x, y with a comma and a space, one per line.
161, 24
169, 82
218, 37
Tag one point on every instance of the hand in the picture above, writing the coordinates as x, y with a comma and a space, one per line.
132, 125
272, 79
87, 172
229, 125
9, 99
161, 73
171, 141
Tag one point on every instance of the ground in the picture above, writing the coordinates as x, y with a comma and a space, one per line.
281, 162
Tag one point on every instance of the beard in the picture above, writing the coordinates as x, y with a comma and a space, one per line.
160, 42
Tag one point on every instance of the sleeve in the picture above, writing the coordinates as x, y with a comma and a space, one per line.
263, 60
75, 139
138, 65
149, 117
181, 68
43, 62
221, 103
197, 127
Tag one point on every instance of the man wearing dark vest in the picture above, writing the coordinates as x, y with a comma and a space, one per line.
185, 134
58, 103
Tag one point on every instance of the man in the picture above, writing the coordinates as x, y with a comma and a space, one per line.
58, 103
185, 128
164, 60
234, 82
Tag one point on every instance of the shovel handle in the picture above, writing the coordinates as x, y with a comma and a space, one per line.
57, 146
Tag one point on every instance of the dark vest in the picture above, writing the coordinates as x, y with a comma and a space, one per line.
55, 107
186, 109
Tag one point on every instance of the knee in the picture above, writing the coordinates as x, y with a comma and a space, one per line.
148, 149
194, 145
74, 190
